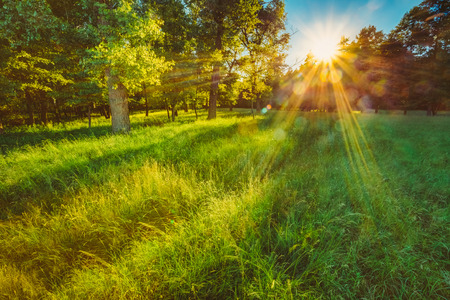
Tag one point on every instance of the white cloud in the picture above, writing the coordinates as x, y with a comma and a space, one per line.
374, 5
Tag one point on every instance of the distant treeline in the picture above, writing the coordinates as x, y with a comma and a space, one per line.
407, 69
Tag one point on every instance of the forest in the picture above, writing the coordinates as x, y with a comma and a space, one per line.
65, 60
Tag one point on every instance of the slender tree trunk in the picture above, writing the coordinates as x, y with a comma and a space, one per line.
231, 105
167, 109
404, 112
1, 124
174, 112
214, 93
186, 108
146, 100
195, 109
258, 103
89, 114
57, 112
429, 110
215, 78
29, 103
253, 112
104, 110
118, 101
44, 110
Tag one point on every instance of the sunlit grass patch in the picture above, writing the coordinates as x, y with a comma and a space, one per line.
232, 208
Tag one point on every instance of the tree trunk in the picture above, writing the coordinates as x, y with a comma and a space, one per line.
146, 101
89, 115
1, 125
429, 110
118, 101
214, 93
253, 112
258, 103
104, 110
167, 109
404, 112
57, 112
174, 113
215, 78
44, 109
186, 108
29, 102
231, 105
195, 110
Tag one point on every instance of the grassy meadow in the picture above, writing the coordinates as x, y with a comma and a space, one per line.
287, 206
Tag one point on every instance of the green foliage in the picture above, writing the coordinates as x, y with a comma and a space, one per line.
34, 73
424, 31
261, 27
127, 47
27, 23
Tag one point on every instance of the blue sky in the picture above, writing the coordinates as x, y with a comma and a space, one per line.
329, 19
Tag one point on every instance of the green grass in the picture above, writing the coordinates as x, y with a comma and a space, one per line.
282, 207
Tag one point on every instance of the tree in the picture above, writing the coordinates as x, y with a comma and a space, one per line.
369, 78
177, 46
214, 24
397, 66
261, 31
125, 53
425, 31
35, 79
30, 29
6, 88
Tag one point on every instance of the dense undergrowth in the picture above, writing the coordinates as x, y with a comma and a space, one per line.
286, 206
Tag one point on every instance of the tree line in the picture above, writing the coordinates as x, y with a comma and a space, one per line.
406, 69
62, 59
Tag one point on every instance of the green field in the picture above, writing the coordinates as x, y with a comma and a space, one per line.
287, 206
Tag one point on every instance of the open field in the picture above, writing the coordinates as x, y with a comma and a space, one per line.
287, 206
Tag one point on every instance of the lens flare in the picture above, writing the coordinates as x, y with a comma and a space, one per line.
325, 48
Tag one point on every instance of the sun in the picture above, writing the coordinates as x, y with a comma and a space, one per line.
324, 48
322, 36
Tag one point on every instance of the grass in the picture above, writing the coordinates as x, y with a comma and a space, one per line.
287, 206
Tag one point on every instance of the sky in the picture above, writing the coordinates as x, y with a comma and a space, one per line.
312, 21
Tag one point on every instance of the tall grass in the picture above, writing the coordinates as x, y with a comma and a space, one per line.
278, 207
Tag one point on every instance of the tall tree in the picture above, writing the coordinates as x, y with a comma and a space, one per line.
177, 46
425, 31
31, 31
368, 77
125, 53
261, 28
398, 70
214, 19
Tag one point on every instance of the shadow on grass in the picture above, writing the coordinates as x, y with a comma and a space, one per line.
42, 188
24, 137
